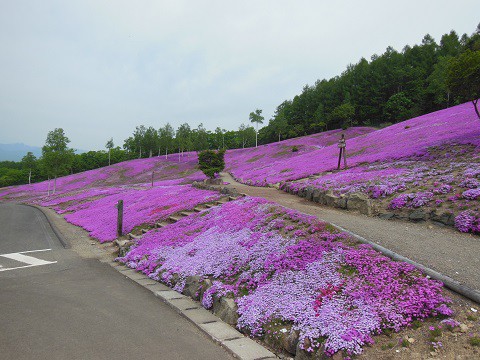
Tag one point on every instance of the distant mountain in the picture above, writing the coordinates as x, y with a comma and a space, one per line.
15, 152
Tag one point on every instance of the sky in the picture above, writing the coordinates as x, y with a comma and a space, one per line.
99, 68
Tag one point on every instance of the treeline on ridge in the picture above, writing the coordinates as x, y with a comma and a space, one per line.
389, 88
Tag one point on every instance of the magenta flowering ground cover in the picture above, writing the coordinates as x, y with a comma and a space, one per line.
458, 124
175, 170
445, 180
141, 206
88, 199
281, 265
278, 161
95, 209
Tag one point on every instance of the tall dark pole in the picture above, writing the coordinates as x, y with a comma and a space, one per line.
342, 144
120, 218
339, 158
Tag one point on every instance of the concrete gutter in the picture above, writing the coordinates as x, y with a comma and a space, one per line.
57, 233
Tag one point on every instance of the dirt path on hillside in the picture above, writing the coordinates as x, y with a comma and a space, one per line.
444, 250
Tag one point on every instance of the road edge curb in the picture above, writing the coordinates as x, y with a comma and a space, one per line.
55, 230
248, 353
449, 283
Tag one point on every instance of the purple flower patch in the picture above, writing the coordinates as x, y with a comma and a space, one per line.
309, 279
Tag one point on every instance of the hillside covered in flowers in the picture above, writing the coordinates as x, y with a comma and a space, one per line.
430, 163
283, 267
289, 274
89, 199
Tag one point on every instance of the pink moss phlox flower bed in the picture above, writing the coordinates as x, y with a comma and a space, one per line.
281, 265
375, 180
276, 162
458, 124
440, 179
95, 209
89, 199
172, 171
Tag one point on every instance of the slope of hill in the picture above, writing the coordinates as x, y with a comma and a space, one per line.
88, 199
426, 168
458, 124
290, 274
279, 161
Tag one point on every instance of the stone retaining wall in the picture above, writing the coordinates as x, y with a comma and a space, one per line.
362, 203
355, 202
222, 189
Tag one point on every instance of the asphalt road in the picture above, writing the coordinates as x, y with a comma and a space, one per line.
55, 304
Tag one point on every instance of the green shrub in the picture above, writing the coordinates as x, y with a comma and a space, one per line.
388, 346
294, 149
472, 318
211, 162
475, 341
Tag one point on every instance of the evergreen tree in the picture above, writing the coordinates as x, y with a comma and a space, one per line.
463, 77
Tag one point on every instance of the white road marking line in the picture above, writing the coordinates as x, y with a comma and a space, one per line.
29, 260
30, 251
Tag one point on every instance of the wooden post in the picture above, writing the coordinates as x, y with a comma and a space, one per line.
343, 151
153, 172
120, 218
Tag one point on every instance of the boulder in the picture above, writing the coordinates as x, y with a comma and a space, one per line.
445, 218
359, 202
309, 193
193, 284
330, 198
226, 309
340, 202
316, 195
289, 341
322, 198
417, 215
386, 216
216, 181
